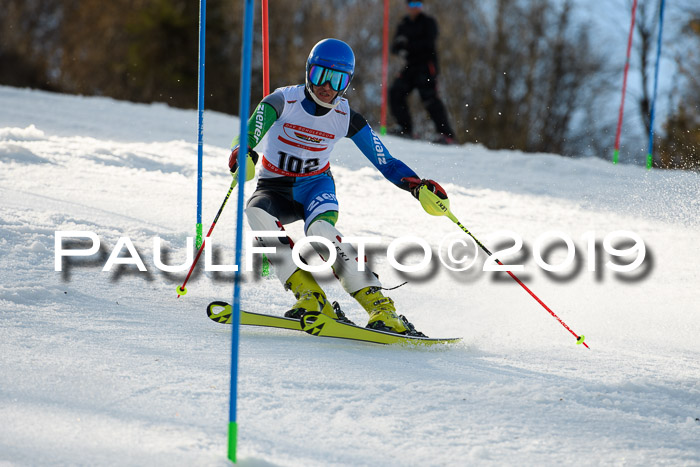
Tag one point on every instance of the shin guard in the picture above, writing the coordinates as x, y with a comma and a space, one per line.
346, 263
281, 260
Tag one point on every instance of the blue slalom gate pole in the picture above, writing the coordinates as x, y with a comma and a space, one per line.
650, 154
247, 51
200, 107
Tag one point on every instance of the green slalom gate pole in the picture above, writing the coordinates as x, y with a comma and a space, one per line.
436, 206
236, 306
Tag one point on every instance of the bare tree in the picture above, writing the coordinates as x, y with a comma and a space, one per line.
28, 30
524, 70
680, 146
646, 26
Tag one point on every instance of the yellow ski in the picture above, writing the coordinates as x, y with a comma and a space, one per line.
318, 324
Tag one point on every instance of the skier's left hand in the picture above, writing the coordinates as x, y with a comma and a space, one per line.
414, 185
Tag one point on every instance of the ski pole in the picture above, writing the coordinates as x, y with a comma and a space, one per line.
181, 290
435, 206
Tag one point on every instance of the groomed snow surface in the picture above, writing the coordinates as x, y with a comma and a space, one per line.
111, 368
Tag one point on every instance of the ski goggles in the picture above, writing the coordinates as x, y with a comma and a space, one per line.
415, 4
318, 76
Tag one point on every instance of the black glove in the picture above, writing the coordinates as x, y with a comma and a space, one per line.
233, 158
414, 185
250, 168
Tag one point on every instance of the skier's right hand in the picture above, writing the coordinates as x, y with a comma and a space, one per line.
414, 185
249, 166
430, 194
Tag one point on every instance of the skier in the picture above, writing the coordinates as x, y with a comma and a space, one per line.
415, 40
297, 128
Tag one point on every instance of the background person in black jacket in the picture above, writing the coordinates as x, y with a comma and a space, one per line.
415, 41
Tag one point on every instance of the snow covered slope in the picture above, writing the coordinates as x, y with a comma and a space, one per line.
110, 368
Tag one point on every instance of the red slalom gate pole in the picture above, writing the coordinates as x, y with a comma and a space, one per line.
265, 50
181, 289
616, 152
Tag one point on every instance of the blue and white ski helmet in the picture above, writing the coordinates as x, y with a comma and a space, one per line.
332, 54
